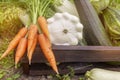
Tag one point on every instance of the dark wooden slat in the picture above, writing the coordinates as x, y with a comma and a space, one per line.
79, 68
80, 54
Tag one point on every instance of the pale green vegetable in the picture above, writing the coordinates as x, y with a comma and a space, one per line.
100, 5
111, 18
102, 74
65, 29
67, 6
109, 11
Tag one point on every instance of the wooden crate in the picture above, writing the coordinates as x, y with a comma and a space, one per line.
81, 58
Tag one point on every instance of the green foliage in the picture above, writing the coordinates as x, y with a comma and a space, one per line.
81, 79
7, 63
2, 73
14, 77
67, 76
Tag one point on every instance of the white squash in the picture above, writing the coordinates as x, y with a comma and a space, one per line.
102, 74
65, 29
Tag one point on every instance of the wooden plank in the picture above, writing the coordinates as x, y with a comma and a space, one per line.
79, 68
92, 24
79, 54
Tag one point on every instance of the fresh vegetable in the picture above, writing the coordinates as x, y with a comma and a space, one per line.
67, 6
94, 32
21, 49
112, 24
48, 42
29, 55
65, 29
109, 14
44, 27
13, 44
38, 8
102, 74
31, 36
47, 52
100, 5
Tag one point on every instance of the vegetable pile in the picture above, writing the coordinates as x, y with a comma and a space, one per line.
26, 38
109, 11
34, 28
37, 29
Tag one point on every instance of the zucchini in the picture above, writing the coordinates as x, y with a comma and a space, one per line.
102, 74
94, 31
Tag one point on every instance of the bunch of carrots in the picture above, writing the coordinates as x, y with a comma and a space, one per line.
37, 31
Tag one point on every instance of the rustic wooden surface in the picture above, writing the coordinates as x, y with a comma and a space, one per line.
75, 55
79, 54
79, 68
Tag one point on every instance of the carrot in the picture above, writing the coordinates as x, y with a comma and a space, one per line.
12, 45
48, 42
43, 25
31, 35
29, 55
47, 52
20, 50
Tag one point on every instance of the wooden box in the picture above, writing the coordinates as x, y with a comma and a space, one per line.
81, 58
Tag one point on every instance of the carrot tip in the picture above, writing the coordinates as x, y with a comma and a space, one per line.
29, 62
57, 71
15, 66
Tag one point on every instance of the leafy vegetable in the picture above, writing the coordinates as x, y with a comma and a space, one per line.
109, 11
111, 18
9, 20
100, 5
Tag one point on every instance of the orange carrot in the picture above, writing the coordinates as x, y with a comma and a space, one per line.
31, 35
43, 25
29, 55
22, 46
47, 52
48, 42
12, 45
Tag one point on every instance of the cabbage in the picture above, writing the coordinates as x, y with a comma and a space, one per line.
9, 18
111, 18
109, 11
100, 5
